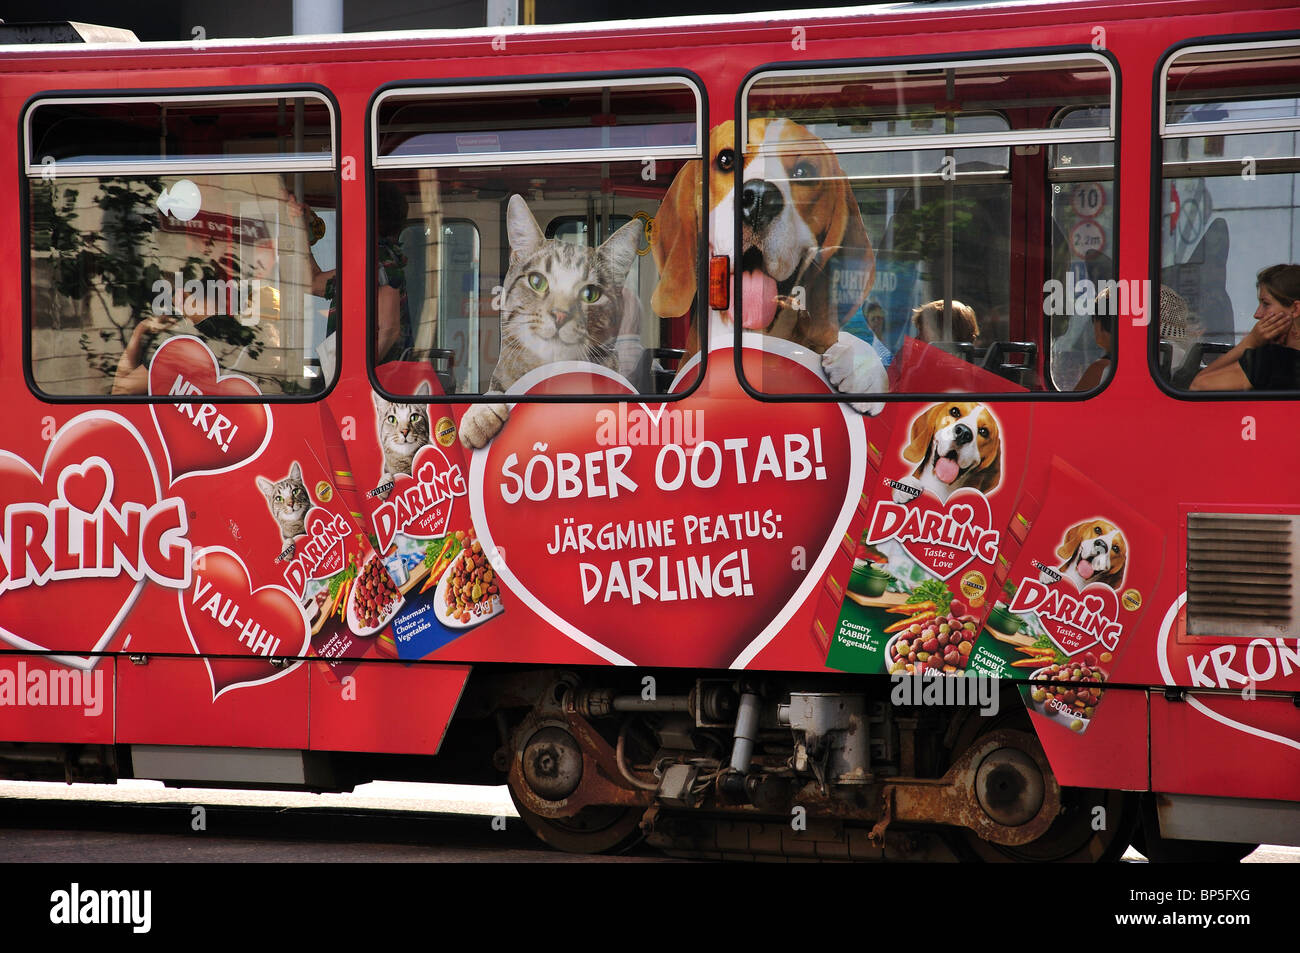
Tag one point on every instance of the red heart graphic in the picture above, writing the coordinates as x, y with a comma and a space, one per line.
1074, 620
420, 505
86, 487
763, 489
204, 438
943, 538
318, 553
244, 628
99, 464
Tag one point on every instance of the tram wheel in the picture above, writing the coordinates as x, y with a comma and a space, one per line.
1073, 836
1080, 833
599, 829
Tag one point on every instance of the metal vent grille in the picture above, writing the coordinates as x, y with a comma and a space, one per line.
1240, 579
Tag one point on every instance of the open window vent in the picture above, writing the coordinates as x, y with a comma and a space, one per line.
1240, 574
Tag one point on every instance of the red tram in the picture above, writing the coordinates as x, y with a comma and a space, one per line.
715, 430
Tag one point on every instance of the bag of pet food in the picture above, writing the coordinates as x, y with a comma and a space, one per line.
408, 480
1074, 598
936, 523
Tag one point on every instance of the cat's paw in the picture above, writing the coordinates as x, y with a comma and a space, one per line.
481, 423
853, 367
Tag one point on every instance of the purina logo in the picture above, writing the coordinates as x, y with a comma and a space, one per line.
76, 906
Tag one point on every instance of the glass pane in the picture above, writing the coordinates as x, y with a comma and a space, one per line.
645, 118
1231, 209
120, 265
1217, 234
923, 100
956, 236
509, 299
85, 134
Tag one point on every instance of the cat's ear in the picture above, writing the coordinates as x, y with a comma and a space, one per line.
380, 403
295, 472
423, 389
266, 486
620, 249
522, 228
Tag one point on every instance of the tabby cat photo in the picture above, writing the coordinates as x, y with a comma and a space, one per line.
288, 501
561, 302
403, 429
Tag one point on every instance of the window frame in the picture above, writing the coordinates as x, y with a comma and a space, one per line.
1043, 137
154, 167
1205, 44
555, 82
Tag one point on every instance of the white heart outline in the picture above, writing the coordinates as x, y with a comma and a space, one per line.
162, 437
1162, 659
946, 509
196, 557
79, 469
90, 661
451, 500
857, 440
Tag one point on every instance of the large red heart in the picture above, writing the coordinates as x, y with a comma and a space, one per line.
243, 628
754, 517
82, 535
1075, 620
420, 505
944, 538
204, 438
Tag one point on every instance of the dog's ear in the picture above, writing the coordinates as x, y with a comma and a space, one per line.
676, 244
922, 434
1073, 540
987, 477
846, 235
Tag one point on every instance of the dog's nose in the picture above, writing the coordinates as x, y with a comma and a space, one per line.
961, 435
761, 202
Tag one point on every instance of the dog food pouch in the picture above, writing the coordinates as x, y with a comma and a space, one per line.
410, 479
1073, 600
936, 523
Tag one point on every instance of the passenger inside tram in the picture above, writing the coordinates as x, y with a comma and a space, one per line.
1268, 357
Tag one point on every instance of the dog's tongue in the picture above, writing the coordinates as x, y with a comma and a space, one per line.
1085, 569
946, 469
760, 299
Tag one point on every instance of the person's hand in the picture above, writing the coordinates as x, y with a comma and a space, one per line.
1270, 328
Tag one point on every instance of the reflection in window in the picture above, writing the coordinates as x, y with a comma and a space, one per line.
526, 243
977, 184
1229, 187
139, 243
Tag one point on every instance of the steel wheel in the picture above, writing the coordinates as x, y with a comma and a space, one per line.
600, 829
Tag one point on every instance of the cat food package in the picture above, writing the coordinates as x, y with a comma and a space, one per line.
265, 506
407, 477
937, 523
1074, 597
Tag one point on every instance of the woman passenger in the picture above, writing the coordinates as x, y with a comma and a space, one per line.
1268, 357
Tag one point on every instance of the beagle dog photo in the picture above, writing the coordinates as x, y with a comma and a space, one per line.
1094, 551
806, 260
954, 444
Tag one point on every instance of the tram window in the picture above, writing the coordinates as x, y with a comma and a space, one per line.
976, 184
196, 216
535, 204
1230, 199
